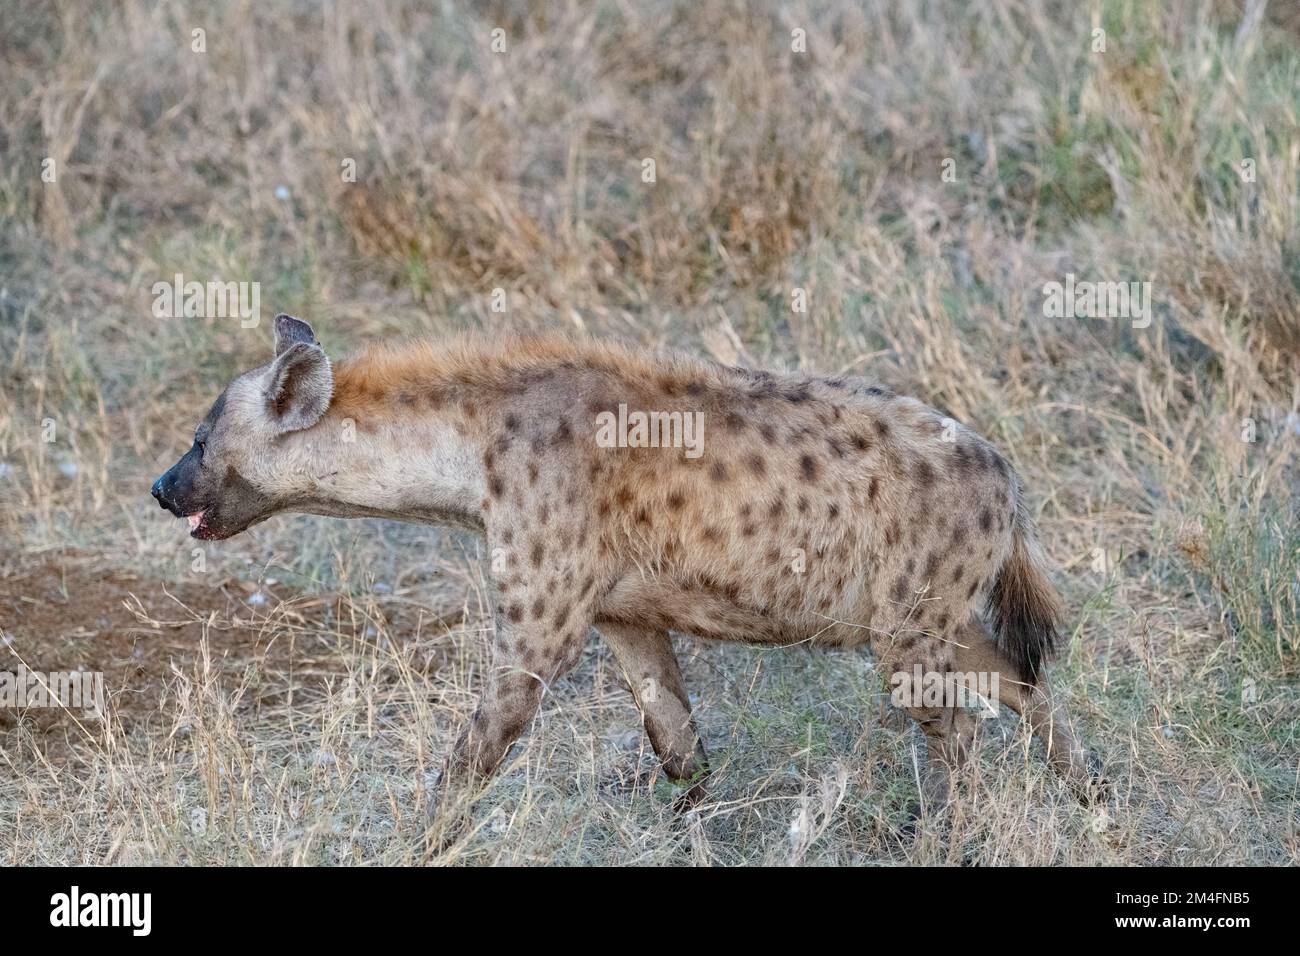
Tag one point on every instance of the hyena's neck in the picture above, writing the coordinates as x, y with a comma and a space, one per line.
382, 451
423, 415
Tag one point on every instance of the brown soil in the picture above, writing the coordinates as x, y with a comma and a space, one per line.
138, 632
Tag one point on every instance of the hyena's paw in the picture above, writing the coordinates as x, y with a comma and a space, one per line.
631, 774
1092, 788
919, 814
912, 817
693, 793
447, 816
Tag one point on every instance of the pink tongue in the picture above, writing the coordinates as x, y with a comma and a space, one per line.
195, 519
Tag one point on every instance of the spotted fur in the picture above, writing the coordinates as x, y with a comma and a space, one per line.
826, 511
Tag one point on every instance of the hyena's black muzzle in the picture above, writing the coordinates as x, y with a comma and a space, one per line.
217, 500
178, 489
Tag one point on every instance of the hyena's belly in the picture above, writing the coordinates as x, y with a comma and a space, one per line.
717, 610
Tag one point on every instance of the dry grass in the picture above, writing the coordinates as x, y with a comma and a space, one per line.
289, 703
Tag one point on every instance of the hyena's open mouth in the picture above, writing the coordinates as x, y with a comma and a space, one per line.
206, 526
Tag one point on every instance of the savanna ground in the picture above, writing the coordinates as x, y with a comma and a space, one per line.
286, 696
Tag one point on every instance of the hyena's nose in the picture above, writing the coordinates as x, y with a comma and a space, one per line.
157, 492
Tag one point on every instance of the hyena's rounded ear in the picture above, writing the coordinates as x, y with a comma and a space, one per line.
290, 331
299, 386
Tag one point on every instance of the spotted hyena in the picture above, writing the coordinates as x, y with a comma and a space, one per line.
644, 494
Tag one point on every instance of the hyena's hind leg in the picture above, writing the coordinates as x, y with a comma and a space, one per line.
977, 651
949, 731
650, 667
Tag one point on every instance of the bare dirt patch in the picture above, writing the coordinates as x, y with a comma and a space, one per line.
138, 632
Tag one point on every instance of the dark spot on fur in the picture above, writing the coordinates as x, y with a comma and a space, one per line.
718, 472
676, 500
808, 467
924, 474
536, 554
986, 520
899, 591
515, 613
756, 464
963, 459
512, 422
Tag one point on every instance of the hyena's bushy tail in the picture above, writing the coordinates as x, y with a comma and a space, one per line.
1024, 606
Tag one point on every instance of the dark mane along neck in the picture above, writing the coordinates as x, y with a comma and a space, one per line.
469, 368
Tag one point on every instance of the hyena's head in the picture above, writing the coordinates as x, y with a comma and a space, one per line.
238, 470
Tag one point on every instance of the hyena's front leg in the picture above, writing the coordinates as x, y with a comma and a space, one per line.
540, 628
650, 667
